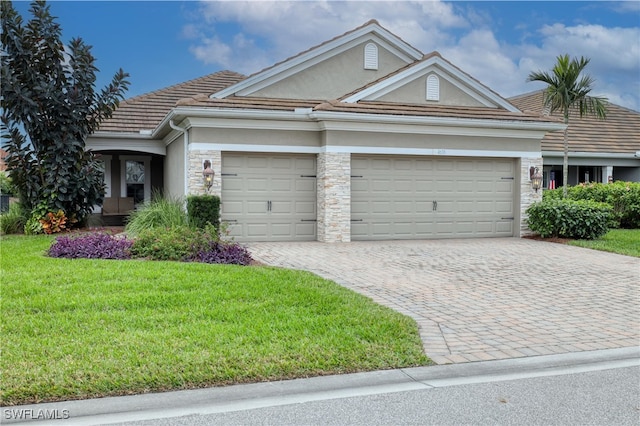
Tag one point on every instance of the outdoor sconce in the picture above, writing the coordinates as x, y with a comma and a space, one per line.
207, 175
536, 180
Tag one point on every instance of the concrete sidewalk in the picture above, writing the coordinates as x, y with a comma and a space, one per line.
152, 407
486, 299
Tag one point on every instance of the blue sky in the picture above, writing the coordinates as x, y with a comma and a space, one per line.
161, 43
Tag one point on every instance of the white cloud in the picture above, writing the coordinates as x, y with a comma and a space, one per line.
267, 32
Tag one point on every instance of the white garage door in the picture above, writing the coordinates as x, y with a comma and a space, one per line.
396, 197
269, 197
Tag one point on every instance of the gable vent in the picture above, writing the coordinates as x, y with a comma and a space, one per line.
371, 57
433, 88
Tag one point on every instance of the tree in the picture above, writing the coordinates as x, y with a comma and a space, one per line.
568, 91
49, 107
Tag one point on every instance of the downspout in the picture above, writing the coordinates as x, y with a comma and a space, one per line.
186, 154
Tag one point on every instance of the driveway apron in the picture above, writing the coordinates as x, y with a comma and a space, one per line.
485, 299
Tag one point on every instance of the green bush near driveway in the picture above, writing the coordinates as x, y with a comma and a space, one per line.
83, 328
569, 219
623, 197
203, 209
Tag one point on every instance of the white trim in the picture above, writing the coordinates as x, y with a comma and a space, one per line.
249, 123
107, 141
195, 146
326, 116
421, 69
147, 174
106, 159
301, 62
293, 149
436, 152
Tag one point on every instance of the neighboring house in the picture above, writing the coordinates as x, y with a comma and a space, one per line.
361, 137
598, 149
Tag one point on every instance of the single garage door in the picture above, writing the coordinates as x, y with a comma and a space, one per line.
396, 197
269, 197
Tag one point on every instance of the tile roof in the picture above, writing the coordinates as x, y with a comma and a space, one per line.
147, 111
362, 107
618, 133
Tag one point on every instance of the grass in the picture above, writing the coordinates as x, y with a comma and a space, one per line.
75, 329
621, 241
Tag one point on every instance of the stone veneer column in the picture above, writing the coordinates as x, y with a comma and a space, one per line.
334, 197
194, 174
527, 195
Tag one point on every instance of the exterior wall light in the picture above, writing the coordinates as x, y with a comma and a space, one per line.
207, 175
536, 180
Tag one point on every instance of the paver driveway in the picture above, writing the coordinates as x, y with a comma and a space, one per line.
482, 299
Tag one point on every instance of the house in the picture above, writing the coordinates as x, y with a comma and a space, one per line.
598, 149
361, 137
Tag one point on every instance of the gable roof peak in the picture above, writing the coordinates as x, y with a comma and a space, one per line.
312, 55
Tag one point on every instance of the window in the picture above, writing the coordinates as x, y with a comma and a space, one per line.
371, 57
433, 88
135, 178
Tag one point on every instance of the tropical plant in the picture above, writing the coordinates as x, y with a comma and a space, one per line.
13, 220
568, 91
49, 107
161, 212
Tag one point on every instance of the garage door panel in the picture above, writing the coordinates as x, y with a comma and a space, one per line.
395, 197
402, 185
381, 207
466, 186
504, 187
381, 185
255, 184
231, 207
504, 207
504, 228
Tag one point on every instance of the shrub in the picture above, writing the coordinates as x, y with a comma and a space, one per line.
175, 243
160, 212
91, 246
623, 197
188, 245
203, 209
221, 252
13, 220
585, 220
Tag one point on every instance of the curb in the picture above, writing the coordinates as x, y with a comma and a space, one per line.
268, 394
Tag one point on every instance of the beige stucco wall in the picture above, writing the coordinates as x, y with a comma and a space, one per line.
255, 137
174, 173
333, 77
415, 92
438, 142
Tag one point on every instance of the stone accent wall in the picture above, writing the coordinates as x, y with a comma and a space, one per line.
196, 160
334, 197
527, 195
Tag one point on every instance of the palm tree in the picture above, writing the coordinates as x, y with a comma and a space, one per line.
568, 91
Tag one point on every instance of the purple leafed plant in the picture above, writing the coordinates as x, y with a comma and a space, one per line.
225, 253
91, 246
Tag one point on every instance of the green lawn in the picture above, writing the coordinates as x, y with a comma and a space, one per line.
74, 329
621, 241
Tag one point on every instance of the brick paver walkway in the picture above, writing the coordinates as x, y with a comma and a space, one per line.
483, 299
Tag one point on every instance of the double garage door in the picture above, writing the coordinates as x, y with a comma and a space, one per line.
395, 197
269, 197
